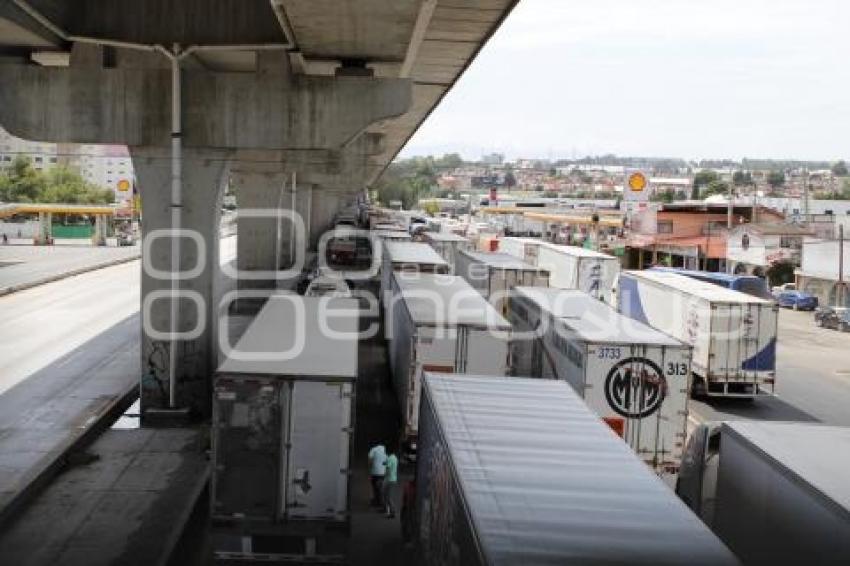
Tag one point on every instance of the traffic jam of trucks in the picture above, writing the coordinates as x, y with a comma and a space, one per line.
544, 416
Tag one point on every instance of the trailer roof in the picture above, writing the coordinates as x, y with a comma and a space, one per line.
391, 234
701, 289
445, 237
446, 300
524, 240
545, 481
592, 320
500, 260
289, 337
818, 455
413, 252
577, 251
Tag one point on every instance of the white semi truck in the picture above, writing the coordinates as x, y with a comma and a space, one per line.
633, 376
282, 430
438, 323
516, 471
777, 493
571, 267
733, 334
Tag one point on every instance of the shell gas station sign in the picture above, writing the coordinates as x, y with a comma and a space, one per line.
637, 187
123, 185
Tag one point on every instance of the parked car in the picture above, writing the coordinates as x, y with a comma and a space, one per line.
837, 318
797, 300
778, 289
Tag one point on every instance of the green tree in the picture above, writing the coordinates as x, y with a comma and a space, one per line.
21, 182
702, 179
510, 179
716, 187
449, 161
776, 179
742, 178
839, 169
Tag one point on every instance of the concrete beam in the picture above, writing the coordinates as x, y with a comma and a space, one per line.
223, 110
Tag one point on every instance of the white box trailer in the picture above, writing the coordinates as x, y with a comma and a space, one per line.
524, 249
780, 490
447, 244
409, 257
283, 418
518, 472
494, 274
571, 267
733, 334
439, 323
633, 376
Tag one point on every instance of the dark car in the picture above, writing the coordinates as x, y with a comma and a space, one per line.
837, 318
797, 300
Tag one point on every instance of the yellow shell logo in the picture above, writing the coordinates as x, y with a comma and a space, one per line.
637, 182
123, 185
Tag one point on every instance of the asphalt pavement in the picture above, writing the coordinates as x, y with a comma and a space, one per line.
25, 266
812, 378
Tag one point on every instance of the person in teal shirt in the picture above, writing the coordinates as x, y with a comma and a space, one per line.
377, 470
390, 483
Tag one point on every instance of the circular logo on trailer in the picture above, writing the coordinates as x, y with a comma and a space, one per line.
637, 181
635, 388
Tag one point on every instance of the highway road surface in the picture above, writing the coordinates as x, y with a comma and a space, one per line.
39, 325
812, 378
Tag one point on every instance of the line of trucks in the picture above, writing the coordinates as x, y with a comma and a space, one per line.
558, 458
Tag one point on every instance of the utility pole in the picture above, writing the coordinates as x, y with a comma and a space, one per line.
805, 196
840, 301
729, 204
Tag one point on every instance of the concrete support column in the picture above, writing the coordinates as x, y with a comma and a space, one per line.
44, 235
98, 237
268, 238
202, 175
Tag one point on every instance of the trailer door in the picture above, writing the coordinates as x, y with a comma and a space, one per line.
316, 450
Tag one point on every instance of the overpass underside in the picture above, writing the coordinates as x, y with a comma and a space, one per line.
300, 104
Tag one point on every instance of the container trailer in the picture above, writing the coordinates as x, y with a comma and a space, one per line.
283, 423
439, 323
516, 471
775, 492
577, 268
494, 274
408, 257
447, 244
524, 249
733, 334
633, 376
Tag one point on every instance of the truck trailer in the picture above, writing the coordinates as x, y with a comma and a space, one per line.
777, 493
494, 274
447, 244
438, 323
283, 425
633, 376
577, 268
408, 257
733, 334
515, 471
524, 249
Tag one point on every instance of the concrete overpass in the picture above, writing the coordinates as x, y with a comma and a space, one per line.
305, 102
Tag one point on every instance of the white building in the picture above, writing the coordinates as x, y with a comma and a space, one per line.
756, 248
819, 272
103, 165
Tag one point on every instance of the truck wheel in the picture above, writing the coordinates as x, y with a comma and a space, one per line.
845, 327
819, 322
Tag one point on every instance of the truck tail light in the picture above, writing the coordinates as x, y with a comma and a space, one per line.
770, 380
617, 424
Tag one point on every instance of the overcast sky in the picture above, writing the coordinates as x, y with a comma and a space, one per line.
680, 78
